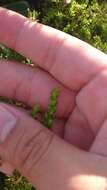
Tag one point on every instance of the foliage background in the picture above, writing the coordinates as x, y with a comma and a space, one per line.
84, 19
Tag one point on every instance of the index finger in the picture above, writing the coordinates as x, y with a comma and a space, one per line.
70, 60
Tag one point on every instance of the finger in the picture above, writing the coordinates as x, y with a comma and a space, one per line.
47, 161
33, 86
99, 146
31, 140
92, 104
58, 126
70, 60
78, 131
7, 169
92, 101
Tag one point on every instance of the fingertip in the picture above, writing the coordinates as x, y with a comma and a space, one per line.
7, 169
11, 23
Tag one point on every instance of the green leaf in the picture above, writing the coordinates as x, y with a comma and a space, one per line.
35, 111
49, 116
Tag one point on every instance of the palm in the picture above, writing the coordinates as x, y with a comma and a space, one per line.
63, 61
88, 114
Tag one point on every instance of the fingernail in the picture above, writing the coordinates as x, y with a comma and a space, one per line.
7, 123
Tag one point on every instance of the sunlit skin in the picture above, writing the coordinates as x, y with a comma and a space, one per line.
81, 73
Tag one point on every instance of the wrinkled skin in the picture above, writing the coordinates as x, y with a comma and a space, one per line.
64, 61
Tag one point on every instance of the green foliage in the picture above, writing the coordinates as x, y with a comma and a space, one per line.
33, 15
84, 19
49, 116
9, 54
17, 182
35, 111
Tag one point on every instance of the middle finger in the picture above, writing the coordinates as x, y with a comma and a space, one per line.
31, 86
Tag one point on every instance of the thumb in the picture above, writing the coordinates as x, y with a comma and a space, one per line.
47, 161
34, 150
99, 145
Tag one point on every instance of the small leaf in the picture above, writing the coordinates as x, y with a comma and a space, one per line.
35, 110
50, 113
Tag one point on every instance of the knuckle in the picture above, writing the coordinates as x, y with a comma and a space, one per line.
23, 86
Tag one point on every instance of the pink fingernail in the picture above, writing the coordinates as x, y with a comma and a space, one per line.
7, 123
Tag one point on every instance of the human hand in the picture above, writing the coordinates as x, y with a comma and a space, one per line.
80, 71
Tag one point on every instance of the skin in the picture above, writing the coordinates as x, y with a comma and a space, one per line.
80, 71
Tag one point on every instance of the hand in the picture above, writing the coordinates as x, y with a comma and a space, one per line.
80, 71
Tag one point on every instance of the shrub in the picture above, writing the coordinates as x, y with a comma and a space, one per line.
83, 19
